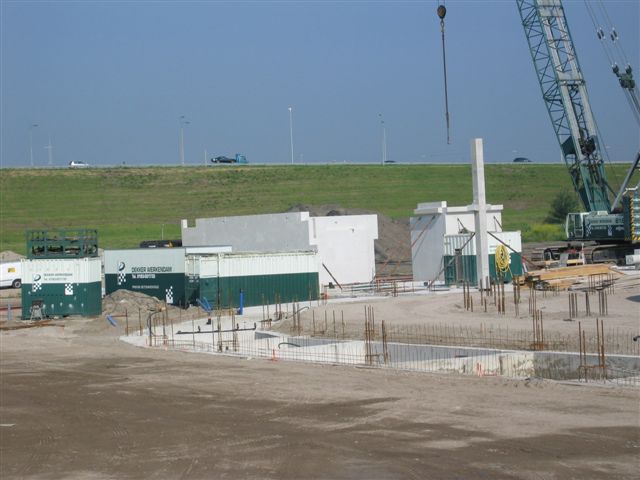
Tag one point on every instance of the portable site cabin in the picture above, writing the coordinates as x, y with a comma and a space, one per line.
62, 274
158, 272
261, 278
182, 276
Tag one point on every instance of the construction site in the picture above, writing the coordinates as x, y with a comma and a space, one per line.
336, 343
387, 381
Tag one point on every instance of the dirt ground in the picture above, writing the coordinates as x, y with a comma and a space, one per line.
75, 402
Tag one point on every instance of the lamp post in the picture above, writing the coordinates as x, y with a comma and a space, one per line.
33, 125
183, 122
50, 150
291, 131
384, 139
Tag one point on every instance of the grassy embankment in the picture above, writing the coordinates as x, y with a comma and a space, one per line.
128, 205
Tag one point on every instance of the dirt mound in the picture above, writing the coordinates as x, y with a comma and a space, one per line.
121, 301
394, 235
9, 256
136, 306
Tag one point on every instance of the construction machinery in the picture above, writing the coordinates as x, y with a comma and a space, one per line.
614, 223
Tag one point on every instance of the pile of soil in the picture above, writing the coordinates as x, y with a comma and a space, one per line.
136, 304
126, 301
9, 256
394, 235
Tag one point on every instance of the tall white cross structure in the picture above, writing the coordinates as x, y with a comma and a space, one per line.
480, 211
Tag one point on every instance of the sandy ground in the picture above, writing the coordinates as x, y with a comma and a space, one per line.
75, 402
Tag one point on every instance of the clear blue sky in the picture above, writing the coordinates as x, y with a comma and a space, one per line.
108, 81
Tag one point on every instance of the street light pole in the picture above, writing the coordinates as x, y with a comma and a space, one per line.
183, 122
384, 139
33, 125
50, 149
291, 131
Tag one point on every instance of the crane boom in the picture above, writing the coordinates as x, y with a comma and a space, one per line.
565, 94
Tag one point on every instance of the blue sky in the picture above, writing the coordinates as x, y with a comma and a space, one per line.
108, 81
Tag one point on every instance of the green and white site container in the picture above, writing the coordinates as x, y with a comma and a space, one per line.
61, 287
263, 278
460, 259
158, 272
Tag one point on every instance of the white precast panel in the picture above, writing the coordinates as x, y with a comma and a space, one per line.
346, 246
275, 232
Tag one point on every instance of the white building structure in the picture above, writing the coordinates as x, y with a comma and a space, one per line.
432, 223
345, 243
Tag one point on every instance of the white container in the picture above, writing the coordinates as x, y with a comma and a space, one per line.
252, 264
58, 271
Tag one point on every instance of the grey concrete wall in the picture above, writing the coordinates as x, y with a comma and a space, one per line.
427, 250
278, 232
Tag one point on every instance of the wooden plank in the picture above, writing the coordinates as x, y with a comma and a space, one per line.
568, 272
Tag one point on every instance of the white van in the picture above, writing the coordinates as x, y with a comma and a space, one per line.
11, 274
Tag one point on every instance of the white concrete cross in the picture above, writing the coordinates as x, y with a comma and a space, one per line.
480, 210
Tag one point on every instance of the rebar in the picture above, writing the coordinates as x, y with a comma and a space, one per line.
603, 308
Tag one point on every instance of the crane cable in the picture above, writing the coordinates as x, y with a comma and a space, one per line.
616, 55
503, 260
442, 12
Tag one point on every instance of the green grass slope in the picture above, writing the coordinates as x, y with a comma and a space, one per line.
128, 205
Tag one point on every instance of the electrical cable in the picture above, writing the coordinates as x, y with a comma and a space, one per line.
503, 260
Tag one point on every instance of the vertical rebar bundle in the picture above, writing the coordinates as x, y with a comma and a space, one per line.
603, 307
582, 369
601, 281
369, 335
465, 299
601, 366
385, 350
586, 304
573, 305
533, 303
601, 357
538, 331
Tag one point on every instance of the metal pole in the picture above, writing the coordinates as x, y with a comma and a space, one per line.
291, 131
384, 139
183, 122
34, 125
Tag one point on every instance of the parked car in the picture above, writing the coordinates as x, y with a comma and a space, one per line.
10, 274
78, 164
